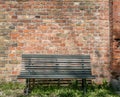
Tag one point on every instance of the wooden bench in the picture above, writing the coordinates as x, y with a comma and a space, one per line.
37, 66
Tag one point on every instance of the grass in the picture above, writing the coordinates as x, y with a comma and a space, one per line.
14, 89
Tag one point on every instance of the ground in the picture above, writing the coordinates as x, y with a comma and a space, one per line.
13, 89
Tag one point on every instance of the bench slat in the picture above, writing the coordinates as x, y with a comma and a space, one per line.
55, 62
58, 61
61, 64
57, 67
56, 76
57, 71
56, 56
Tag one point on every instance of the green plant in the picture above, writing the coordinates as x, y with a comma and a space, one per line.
74, 84
11, 85
67, 94
13, 89
105, 84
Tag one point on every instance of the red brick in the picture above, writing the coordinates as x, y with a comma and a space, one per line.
14, 17
26, 31
14, 35
14, 72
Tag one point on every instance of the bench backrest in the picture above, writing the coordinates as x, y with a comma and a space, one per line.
57, 66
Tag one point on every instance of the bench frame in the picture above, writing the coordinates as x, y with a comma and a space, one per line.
27, 60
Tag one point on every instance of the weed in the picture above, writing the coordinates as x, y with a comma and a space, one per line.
16, 90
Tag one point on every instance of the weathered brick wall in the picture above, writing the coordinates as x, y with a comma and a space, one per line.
116, 38
54, 27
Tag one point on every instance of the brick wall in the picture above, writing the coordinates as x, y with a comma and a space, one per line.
54, 27
116, 39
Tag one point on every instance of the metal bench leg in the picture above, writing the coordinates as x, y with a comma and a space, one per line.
33, 83
27, 89
76, 82
58, 82
84, 86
